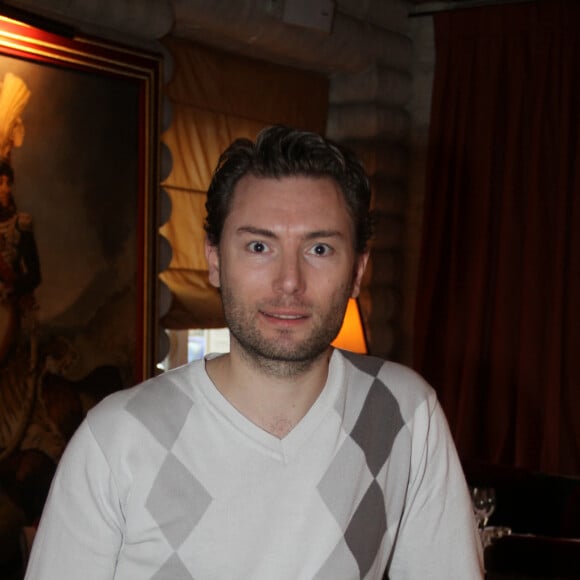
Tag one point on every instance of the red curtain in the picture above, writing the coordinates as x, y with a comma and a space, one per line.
498, 312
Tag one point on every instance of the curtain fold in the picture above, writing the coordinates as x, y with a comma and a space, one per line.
498, 303
217, 97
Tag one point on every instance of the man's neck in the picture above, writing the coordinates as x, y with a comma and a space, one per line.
274, 401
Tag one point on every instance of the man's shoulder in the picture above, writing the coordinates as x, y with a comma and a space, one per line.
390, 373
406, 389
157, 399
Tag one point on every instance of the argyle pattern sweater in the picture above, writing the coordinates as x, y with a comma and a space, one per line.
168, 481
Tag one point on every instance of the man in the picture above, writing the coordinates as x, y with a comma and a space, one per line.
284, 459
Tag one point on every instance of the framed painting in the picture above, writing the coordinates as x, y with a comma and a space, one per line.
78, 190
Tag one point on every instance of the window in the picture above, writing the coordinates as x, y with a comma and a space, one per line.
194, 344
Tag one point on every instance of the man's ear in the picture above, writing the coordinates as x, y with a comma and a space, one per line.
359, 270
213, 263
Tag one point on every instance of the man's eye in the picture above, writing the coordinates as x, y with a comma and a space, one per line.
321, 250
257, 247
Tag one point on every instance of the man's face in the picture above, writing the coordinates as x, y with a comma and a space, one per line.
5, 190
286, 266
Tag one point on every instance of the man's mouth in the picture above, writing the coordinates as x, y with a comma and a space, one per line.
287, 316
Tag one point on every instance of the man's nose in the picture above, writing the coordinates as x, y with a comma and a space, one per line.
290, 277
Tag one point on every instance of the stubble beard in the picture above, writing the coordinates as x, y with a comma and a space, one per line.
281, 358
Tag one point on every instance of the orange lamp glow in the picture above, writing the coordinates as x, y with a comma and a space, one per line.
352, 335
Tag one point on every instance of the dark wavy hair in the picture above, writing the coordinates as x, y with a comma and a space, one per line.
281, 151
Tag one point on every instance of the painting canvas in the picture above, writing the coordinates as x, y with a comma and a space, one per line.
77, 176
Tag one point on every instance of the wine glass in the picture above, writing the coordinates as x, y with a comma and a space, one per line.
483, 499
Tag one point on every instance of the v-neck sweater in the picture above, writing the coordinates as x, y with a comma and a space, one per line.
167, 480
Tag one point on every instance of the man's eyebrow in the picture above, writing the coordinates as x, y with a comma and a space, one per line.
324, 234
256, 231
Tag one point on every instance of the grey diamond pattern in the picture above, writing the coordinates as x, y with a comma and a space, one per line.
340, 564
173, 569
367, 364
162, 409
177, 501
338, 481
373, 434
377, 426
367, 528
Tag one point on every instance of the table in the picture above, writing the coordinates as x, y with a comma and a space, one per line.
529, 556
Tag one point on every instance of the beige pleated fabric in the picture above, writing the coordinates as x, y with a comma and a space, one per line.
217, 97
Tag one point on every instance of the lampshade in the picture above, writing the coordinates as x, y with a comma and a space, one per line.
352, 335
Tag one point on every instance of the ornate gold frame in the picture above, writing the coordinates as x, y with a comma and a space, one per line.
142, 70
